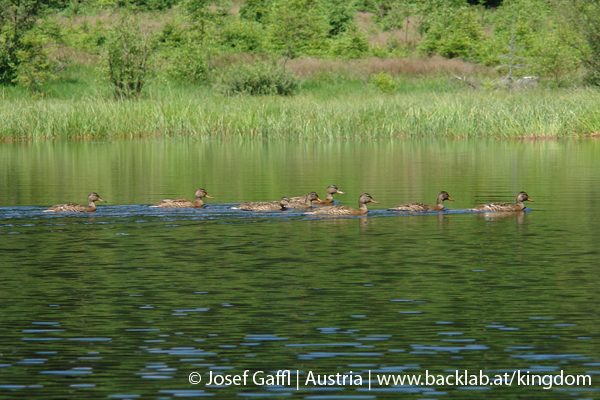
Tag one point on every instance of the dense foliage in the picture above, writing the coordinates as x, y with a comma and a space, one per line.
193, 40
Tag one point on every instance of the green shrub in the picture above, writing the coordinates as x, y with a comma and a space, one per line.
340, 15
455, 34
17, 18
379, 51
241, 35
153, 4
384, 82
350, 44
190, 62
256, 10
127, 51
34, 67
257, 79
297, 27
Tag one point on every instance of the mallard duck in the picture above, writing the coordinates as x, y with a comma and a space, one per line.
345, 210
331, 190
265, 205
504, 207
185, 203
424, 207
74, 207
305, 201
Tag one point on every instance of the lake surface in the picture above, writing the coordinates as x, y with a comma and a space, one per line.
128, 301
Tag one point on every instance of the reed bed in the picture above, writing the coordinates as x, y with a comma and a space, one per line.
336, 114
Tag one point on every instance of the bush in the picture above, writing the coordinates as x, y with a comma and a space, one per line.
127, 51
256, 10
455, 34
241, 35
190, 62
17, 18
383, 81
350, 44
340, 15
258, 79
34, 68
297, 27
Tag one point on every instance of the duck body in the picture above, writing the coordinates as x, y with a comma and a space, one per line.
345, 210
74, 207
280, 205
305, 201
422, 207
505, 207
185, 203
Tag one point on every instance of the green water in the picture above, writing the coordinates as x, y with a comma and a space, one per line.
130, 300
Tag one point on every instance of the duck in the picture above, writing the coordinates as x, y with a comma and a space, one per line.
345, 210
419, 207
185, 203
74, 207
265, 205
505, 207
305, 201
331, 190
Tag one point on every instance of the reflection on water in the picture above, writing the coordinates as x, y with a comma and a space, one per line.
126, 302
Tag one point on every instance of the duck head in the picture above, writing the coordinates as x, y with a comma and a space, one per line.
95, 197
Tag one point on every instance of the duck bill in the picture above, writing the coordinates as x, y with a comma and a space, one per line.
340, 192
209, 197
528, 199
373, 201
102, 200
319, 200
450, 198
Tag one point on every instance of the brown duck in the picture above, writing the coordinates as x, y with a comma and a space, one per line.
185, 203
305, 201
265, 205
345, 210
331, 190
419, 207
505, 207
74, 207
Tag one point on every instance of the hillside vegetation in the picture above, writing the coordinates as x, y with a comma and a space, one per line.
77, 62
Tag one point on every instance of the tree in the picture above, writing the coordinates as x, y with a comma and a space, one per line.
127, 50
189, 47
389, 15
518, 25
34, 67
256, 10
17, 17
297, 27
454, 34
340, 15
583, 17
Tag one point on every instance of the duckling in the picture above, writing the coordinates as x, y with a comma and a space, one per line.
305, 201
73, 207
265, 205
345, 210
505, 207
419, 207
185, 203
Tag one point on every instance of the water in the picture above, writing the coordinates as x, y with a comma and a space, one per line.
128, 301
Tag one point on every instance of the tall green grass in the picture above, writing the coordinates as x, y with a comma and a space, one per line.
326, 110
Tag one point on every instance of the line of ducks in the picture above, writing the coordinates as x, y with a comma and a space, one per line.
324, 207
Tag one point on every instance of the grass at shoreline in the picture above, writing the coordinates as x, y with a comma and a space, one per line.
346, 110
